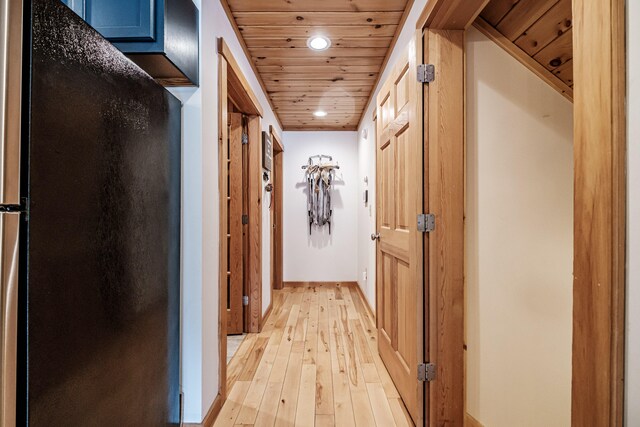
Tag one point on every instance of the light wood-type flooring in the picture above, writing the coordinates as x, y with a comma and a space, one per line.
314, 364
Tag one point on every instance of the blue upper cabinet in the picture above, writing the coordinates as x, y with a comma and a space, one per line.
122, 20
161, 36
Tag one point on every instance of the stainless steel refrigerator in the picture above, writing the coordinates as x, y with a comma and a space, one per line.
89, 226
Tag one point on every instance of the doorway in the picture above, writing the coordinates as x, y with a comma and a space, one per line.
240, 185
276, 210
598, 202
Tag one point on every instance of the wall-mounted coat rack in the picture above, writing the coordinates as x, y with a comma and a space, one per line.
319, 179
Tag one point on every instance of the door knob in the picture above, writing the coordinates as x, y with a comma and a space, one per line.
375, 236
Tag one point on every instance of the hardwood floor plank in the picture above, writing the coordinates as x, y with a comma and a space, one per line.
311, 339
325, 421
324, 385
305, 412
362, 411
351, 308
252, 401
343, 408
253, 360
269, 406
361, 341
289, 398
282, 358
239, 360
380, 405
400, 413
233, 405
315, 363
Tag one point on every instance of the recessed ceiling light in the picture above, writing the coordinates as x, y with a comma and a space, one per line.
320, 114
318, 43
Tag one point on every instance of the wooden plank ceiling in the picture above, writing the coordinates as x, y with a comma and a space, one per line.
300, 81
541, 29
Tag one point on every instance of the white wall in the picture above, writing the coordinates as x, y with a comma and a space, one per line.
519, 243
633, 254
200, 199
367, 213
367, 166
320, 257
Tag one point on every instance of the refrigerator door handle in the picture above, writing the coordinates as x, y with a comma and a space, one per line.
10, 99
9, 264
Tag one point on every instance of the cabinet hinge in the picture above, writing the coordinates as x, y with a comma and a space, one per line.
245, 300
426, 73
426, 372
426, 223
245, 219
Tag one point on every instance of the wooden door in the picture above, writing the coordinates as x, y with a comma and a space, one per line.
276, 214
235, 274
399, 248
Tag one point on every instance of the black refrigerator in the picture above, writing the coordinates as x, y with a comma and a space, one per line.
90, 228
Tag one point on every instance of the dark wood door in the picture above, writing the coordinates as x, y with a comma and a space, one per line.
235, 273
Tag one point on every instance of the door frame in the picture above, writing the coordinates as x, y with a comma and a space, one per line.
599, 202
277, 209
232, 84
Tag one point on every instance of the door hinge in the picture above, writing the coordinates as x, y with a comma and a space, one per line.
245, 300
426, 372
426, 73
426, 223
245, 138
245, 219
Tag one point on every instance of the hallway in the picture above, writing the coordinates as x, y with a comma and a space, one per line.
315, 363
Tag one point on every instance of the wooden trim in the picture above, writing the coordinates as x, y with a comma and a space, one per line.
376, 218
245, 49
444, 250
524, 58
619, 210
230, 77
599, 212
319, 128
278, 147
212, 414
469, 421
223, 169
267, 313
234, 73
277, 210
599, 207
358, 289
254, 309
387, 56
312, 284
450, 15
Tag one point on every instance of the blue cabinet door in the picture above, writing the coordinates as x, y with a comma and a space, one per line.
119, 20
76, 5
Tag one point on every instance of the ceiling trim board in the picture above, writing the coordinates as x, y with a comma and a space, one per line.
534, 66
316, 18
450, 14
232, 21
392, 46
